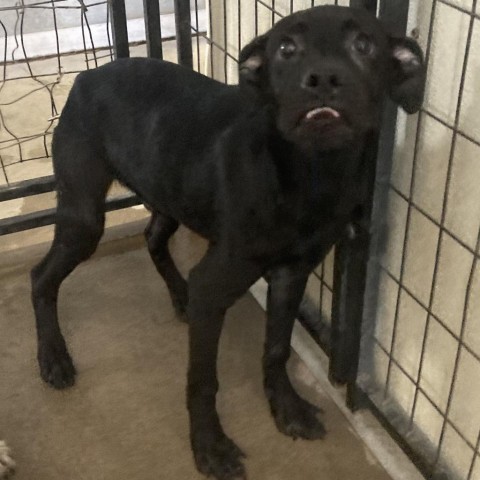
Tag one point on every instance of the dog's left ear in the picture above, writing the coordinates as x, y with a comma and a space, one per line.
252, 61
407, 84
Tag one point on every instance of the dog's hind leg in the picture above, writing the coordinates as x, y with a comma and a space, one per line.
82, 184
157, 234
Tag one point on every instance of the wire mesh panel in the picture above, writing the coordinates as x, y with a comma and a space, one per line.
421, 351
45, 43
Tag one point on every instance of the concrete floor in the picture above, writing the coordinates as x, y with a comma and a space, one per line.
126, 417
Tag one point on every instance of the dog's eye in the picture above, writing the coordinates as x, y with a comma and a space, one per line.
363, 44
287, 48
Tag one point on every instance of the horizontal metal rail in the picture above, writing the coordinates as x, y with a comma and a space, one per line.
47, 217
27, 188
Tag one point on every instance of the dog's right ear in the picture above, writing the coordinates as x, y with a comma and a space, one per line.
252, 61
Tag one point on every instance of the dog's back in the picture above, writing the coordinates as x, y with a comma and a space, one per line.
129, 96
128, 115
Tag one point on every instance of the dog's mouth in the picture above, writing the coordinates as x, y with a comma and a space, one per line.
325, 127
321, 119
321, 114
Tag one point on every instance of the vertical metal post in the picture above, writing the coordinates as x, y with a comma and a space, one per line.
349, 279
351, 259
349, 282
184, 33
370, 5
119, 29
153, 29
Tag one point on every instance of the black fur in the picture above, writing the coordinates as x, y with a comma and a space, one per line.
241, 165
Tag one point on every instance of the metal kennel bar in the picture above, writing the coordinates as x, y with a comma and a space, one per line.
119, 28
184, 33
47, 217
27, 188
350, 268
153, 29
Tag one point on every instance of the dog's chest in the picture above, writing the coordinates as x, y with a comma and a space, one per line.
294, 224
279, 202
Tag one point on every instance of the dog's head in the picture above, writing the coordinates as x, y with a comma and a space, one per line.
326, 70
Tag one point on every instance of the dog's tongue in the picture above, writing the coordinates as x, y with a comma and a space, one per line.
322, 113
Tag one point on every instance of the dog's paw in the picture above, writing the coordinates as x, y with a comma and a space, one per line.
7, 465
56, 366
219, 457
296, 417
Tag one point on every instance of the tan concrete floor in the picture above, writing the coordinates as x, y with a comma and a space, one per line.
126, 417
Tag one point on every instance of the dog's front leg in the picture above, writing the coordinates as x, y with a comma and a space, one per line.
214, 285
293, 415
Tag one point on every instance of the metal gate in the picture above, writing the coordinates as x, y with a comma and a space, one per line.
420, 359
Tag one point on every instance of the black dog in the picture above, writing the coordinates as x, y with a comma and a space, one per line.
270, 172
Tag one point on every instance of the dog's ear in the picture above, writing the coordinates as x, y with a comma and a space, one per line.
252, 61
407, 81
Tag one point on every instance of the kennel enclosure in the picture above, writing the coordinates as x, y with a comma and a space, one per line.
397, 309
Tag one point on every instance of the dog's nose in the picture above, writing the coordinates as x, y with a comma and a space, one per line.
316, 81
